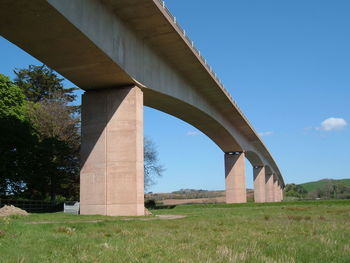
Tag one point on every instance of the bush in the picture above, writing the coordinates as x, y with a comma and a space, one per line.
150, 204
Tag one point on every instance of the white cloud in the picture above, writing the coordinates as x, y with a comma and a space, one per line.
192, 133
332, 124
267, 133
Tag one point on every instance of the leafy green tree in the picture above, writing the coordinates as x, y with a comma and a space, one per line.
11, 99
54, 119
58, 151
295, 190
56, 124
42, 83
17, 140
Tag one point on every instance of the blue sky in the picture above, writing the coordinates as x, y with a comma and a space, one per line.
286, 63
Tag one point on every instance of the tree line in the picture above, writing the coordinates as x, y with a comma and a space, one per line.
40, 138
331, 189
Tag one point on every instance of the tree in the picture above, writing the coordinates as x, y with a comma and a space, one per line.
295, 190
54, 119
17, 140
57, 125
332, 190
11, 99
152, 168
58, 150
42, 83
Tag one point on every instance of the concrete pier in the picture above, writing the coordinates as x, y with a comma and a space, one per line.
276, 191
235, 178
281, 191
112, 175
259, 184
269, 188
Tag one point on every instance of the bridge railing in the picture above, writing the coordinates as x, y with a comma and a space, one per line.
203, 60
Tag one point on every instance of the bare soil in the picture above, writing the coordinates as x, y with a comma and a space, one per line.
10, 210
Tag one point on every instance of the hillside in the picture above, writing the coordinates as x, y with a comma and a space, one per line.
311, 186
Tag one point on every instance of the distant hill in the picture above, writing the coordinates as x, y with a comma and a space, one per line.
311, 186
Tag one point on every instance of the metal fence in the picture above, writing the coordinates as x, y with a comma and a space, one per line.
34, 206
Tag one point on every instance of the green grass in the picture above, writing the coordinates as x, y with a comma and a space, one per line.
312, 186
308, 231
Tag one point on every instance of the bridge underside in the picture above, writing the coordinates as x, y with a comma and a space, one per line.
126, 54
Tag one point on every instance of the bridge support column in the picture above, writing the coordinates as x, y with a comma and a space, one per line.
275, 183
111, 177
236, 191
276, 190
269, 189
281, 192
259, 184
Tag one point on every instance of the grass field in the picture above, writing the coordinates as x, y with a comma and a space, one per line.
278, 232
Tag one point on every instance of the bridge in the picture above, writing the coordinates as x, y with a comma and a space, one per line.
126, 54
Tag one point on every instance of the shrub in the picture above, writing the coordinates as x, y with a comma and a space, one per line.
150, 203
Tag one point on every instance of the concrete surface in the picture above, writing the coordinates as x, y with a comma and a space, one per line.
236, 191
269, 190
259, 184
112, 175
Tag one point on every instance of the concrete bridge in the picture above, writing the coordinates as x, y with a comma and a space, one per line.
126, 54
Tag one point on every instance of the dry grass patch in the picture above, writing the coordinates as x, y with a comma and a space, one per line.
2, 233
339, 211
66, 230
298, 218
267, 217
295, 208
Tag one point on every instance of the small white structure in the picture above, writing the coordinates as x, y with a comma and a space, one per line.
72, 207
